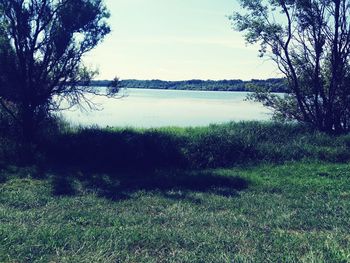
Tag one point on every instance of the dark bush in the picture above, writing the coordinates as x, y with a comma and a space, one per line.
109, 150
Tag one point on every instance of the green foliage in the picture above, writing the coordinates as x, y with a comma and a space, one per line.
213, 146
274, 85
41, 48
226, 145
306, 41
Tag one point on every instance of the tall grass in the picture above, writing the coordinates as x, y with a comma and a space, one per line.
198, 147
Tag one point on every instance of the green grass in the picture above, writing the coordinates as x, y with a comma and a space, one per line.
106, 150
296, 212
169, 195
214, 146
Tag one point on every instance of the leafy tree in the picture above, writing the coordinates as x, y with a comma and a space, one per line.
309, 40
42, 43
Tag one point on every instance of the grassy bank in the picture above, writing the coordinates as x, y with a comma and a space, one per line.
237, 192
296, 212
224, 145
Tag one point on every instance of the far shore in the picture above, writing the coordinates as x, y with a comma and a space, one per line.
276, 85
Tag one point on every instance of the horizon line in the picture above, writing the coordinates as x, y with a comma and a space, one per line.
186, 79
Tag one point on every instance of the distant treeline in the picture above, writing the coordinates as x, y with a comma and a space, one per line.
274, 84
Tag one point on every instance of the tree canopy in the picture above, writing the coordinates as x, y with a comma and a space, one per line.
275, 85
42, 43
309, 40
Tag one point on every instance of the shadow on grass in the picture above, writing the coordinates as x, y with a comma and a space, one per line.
117, 164
174, 185
114, 151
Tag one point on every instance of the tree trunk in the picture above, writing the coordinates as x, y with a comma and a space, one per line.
28, 136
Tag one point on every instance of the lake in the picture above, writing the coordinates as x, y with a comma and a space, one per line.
158, 108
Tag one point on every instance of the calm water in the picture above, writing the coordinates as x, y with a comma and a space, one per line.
156, 108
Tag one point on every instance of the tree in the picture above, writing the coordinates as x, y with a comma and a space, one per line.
42, 43
309, 40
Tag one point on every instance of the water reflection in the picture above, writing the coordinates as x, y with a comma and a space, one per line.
157, 108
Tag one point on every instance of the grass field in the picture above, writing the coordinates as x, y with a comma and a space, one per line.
296, 212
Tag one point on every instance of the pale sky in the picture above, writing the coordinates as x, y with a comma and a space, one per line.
176, 40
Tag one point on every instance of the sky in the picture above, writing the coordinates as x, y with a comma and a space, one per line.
176, 40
